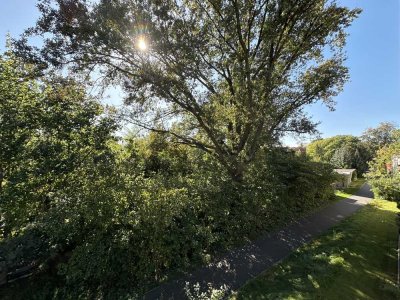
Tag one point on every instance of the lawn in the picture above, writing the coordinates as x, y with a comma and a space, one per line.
355, 260
352, 189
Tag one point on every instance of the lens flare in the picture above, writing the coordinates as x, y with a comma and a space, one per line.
141, 44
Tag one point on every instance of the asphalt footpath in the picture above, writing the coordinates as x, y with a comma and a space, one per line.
235, 268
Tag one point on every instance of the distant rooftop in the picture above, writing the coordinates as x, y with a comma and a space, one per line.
344, 171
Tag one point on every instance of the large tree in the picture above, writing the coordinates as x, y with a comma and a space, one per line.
384, 134
225, 76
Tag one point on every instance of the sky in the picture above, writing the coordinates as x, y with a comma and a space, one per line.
373, 49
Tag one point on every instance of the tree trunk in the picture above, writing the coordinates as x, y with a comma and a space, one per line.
1, 178
237, 173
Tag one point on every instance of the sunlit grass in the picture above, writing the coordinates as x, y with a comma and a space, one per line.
352, 189
354, 260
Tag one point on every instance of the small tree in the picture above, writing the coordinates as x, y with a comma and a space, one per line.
227, 77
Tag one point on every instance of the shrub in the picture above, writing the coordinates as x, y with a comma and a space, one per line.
386, 187
385, 184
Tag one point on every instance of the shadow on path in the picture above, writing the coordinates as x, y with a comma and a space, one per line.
242, 264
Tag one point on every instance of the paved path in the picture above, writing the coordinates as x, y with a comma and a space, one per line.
242, 264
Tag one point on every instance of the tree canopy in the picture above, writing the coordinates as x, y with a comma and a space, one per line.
342, 151
52, 133
227, 77
384, 134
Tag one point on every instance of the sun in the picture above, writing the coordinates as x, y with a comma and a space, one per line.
141, 44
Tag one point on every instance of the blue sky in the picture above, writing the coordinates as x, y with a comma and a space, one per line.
373, 49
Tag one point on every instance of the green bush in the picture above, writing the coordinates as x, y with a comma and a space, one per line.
386, 187
385, 184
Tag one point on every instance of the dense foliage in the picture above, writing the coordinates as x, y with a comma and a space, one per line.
342, 151
91, 213
384, 179
95, 217
55, 144
227, 77
384, 134
383, 175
